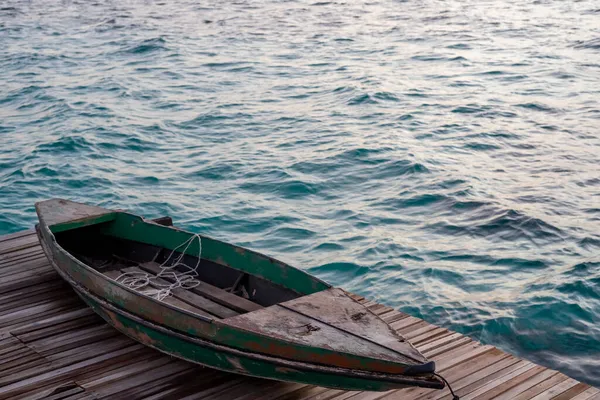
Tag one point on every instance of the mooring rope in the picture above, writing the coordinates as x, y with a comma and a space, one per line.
161, 290
454, 396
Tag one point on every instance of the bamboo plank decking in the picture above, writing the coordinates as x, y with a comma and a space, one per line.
52, 346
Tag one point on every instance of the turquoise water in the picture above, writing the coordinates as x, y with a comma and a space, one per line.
442, 157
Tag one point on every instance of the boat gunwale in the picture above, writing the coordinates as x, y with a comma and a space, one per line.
234, 247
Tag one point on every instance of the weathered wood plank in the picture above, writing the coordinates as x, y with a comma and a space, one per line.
220, 385
20, 256
29, 268
48, 322
395, 316
124, 372
47, 377
72, 339
461, 341
142, 355
214, 310
58, 391
427, 335
36, 317
461, 375
147, 379
19, 243
10, 236
556, 390
242, 389
46, 287
171, 387
540, 387
28, 302
571, 393
510, 383
212, 292
405, 322
520, 387
84, 322
172, 300
587, 394
35, 309
8, 260
72, 355
30, 281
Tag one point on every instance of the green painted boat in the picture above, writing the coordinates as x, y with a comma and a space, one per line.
243, 312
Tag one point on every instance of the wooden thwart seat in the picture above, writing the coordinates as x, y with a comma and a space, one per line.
173, 300
205, 299
211, 292
192, 298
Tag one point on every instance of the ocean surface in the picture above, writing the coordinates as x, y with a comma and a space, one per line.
442, 157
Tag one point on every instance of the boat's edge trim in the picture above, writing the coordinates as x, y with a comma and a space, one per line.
236, 248
83, 222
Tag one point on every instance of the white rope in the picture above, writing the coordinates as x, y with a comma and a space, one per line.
152, 286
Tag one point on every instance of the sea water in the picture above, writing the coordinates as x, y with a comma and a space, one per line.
441, 157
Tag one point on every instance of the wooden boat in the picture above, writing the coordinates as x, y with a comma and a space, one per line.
248, 314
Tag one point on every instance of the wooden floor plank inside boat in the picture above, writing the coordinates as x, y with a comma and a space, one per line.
52, 346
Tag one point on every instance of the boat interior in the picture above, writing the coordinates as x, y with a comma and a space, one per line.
222, 291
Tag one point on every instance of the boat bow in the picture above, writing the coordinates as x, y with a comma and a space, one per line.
331, 322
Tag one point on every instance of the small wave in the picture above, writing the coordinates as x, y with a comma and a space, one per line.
333, 271
493, 73
481, 146
593, 44
510, 225
148, 46
589, 243
203, 120
293, 233
228, 65
65, 144
362, 99
328, 247
146, 180
288, 189
393, 169
216, 172
537, 107
386, 96
430, 57
459, 46
585, 269
470, 109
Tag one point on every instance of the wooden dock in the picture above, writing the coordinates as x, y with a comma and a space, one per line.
53, 347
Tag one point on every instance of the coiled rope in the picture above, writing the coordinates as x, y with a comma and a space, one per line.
159, 289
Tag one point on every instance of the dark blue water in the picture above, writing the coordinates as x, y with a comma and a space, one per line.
442, 157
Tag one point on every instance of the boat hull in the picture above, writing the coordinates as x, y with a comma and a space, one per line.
296, 329
230, 360
213, 355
